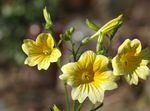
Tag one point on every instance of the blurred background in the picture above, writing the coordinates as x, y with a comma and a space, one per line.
23, 88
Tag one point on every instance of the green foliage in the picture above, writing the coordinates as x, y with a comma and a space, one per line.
91, 25
48, 20
67, 35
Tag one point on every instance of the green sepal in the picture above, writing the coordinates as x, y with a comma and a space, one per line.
91, 25
55, 108
67, 35
47, 18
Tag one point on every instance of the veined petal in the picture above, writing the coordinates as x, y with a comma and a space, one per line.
44, 64
143, 72
29, 47
71, 74
95, 94
117, 66
106, 80
87, 59
136, 45
124, 46
45, 39
33, 59
83, 92
101, 63
70, 68
75, 92
55, 54
132, 78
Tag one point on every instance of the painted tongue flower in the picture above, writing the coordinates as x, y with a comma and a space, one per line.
41, 52
131, 61
89, 77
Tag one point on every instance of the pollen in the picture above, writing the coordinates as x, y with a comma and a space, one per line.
46, 52
87, 77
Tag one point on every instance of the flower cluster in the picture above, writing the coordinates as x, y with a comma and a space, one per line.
89, 74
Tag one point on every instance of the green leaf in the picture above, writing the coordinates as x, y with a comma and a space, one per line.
92, 25
48, 20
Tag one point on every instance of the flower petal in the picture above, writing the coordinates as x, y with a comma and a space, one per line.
55, 54
75, 92
100, 63
143, 72
83, 93
33, 59
117, 66
45, 39
29, 47
132, 78
95, 94
124, 46
71, 74
106, 80
136, 45
44, 64
87, 59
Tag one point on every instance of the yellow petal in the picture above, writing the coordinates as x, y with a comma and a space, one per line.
87, 59
44, 64
143, 72
29, 47
132, 78
136, 45
106, 80
117, 66
95, 95
33, 59
55, 54
124, 47
100, 63
75, 92
83, 93
45, 39
70, 73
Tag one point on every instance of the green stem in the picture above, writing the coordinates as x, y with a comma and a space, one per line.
59, 42
96, 34
73, 50
99, 43
80, 106
67, 97
99, 106
74, 105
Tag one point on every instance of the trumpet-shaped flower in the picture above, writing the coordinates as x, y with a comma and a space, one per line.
131, 61
41, 52
89, 77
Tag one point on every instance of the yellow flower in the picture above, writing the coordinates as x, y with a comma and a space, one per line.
41, 52
131, 61
89, 77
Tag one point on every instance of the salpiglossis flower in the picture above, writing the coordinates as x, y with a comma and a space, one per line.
40, 52
89, 77
131, 61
